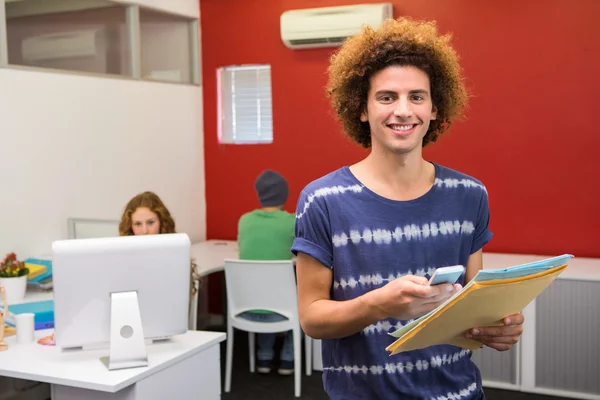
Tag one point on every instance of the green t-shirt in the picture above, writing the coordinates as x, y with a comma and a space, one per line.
266, 235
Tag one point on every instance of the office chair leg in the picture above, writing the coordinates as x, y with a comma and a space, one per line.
308, 354
229, 358
297, 361
251, 346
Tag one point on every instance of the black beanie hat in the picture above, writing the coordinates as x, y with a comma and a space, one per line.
271, 188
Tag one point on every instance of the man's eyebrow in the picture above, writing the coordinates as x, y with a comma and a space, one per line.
392, 92
382, 92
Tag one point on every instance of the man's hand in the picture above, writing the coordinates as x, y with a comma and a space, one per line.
409, 297
500, 338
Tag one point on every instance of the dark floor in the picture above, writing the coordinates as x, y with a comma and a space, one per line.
247, 386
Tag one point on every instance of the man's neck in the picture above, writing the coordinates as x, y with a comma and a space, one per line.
397, 169
271, 209
396, 176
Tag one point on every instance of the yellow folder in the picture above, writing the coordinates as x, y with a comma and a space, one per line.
35, 270
484, 303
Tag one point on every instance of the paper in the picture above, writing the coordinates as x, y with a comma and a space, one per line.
485, 301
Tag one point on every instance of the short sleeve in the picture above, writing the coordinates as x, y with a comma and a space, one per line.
482, 234
313, 229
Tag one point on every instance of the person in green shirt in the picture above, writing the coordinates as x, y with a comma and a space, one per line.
267, 233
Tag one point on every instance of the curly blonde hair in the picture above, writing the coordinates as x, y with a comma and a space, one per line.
152, 202
401, 42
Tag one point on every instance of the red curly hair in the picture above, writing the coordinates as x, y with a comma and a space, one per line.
401, 42
152, 202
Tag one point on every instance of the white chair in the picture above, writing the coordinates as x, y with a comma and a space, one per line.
263, 285
84, 228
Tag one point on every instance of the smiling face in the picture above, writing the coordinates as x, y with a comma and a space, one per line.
145, 222
399, 109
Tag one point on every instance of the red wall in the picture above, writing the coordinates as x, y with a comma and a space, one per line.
530, 133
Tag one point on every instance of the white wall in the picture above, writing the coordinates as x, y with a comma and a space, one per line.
79, 146
82, 146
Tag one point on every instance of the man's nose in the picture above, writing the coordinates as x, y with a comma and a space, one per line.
403, 109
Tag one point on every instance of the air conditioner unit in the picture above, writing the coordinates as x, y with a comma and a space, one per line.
60, 45
329, 26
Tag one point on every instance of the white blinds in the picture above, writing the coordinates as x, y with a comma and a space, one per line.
245, 107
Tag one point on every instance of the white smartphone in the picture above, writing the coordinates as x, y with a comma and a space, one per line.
446, 275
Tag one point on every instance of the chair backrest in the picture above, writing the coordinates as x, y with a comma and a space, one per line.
86, 228
261, 285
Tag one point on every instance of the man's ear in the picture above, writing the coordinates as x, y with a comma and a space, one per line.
433, 112
363, 116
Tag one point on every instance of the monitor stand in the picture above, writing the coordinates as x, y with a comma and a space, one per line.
127, 346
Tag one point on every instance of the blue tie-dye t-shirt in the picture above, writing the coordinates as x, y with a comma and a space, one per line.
368, 240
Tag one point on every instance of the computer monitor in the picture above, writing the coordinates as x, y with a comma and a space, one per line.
120, 292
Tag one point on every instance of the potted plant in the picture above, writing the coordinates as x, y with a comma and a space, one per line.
13, 276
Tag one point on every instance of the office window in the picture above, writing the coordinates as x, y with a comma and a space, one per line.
244, 104
85, 35
169, 47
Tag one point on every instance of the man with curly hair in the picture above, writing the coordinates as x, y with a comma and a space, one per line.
369, 235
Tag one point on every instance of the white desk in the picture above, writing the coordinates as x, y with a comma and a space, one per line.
210, 256
185, 367
35, 295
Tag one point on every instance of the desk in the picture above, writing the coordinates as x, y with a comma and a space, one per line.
210, 256
183, 368
34, 295
80, 374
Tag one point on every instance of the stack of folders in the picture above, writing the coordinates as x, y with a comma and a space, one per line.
43, 312
485, 301
41, 276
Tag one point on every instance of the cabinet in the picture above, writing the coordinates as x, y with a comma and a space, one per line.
559, 352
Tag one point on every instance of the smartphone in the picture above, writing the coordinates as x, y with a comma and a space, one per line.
446, 275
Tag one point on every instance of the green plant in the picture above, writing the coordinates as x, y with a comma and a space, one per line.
12, 268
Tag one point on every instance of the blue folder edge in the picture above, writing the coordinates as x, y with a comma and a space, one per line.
523, 269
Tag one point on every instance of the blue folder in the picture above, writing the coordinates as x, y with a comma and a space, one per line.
43, 311
523, 269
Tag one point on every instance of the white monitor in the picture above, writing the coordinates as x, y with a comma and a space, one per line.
119, 292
